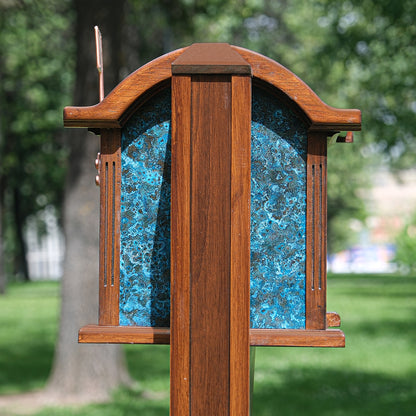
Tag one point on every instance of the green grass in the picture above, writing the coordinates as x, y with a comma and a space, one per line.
374, 375
28, 327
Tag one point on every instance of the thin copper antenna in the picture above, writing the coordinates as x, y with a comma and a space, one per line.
99, 53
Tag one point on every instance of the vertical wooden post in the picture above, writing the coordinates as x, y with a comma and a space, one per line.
210, 232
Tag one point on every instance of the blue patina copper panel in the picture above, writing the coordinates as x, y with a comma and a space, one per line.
278, 215
145, 215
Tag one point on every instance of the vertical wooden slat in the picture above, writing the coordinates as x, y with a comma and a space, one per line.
180, 245
240, 247
110, 181
210, 244
316, 231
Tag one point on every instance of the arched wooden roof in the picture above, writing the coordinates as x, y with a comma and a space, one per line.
115, 109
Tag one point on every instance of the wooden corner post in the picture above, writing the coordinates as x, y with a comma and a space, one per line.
210, 232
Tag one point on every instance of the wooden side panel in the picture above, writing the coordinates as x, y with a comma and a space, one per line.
316, 232
180, 246
240, 246
110, 180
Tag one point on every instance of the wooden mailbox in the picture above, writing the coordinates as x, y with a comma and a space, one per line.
213, 216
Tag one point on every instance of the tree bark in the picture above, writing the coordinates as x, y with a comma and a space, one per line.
89, 372
21, 264
3, 279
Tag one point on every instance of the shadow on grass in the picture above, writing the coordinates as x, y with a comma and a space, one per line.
335, 393
388, 328
149, 363
339, 390
25, 366
303, 392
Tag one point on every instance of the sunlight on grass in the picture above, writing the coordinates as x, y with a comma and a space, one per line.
374, 375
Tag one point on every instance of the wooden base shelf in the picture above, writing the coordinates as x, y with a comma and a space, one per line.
106, 334
102, 334
297, 338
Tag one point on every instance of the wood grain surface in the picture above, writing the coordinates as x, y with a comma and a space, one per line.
180, 243
210, 244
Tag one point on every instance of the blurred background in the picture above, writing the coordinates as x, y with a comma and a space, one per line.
353, 54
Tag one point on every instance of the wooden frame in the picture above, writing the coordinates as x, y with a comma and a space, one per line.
110, 115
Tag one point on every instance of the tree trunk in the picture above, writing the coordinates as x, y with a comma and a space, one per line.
21, 264
88, 372
3, 279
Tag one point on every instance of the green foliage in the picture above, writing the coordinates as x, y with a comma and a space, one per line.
36, 77
406, 246
36, 80
374, 375
373, 42
353, 53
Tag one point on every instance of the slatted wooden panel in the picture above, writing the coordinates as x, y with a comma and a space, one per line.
110, 179
316, 232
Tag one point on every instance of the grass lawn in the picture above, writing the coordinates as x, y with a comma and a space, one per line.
374, 375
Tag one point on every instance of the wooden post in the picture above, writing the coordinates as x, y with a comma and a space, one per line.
210, 232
